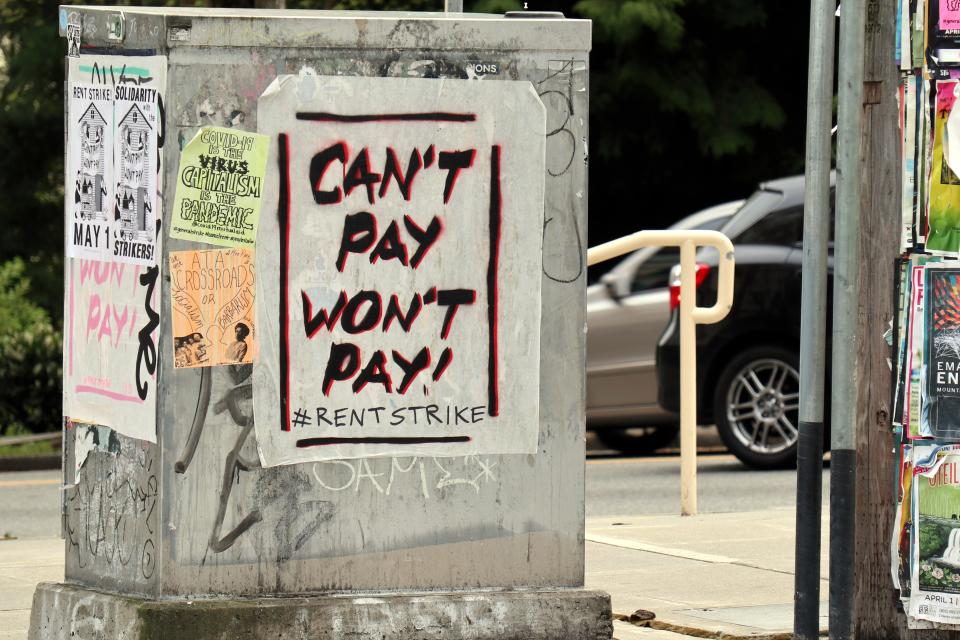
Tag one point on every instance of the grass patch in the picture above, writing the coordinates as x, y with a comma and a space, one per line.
41, 448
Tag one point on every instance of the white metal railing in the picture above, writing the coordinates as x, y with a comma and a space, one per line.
690, 316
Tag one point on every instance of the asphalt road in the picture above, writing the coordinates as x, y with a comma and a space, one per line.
30, 504
629, 486
615, 485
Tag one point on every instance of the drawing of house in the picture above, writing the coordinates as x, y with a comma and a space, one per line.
91, 188
133, 171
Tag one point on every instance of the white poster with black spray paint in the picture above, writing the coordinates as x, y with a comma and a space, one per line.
399, 270
89, 171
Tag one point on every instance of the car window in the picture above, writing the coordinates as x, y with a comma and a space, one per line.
655, 272
783, 227
755, 208
714, 225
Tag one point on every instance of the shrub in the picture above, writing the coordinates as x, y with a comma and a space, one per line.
30, 358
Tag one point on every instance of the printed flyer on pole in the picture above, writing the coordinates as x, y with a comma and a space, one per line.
220, 187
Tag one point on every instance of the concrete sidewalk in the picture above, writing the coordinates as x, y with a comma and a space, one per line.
713, 575
24, 563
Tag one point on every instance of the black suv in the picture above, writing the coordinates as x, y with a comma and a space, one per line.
748, 381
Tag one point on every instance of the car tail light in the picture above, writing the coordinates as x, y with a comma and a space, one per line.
703, 270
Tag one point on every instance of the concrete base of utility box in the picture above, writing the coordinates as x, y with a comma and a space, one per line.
69, 611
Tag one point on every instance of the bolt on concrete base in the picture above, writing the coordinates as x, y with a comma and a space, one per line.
70, 611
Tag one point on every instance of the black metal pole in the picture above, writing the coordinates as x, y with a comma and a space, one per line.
806, 599
843, 464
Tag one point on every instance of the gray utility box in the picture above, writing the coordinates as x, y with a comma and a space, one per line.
196, 515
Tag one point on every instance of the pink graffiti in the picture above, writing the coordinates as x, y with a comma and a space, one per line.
108, 320
101, 271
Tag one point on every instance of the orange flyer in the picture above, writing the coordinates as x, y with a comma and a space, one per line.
212, 298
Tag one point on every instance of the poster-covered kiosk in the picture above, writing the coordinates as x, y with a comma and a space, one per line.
324, 326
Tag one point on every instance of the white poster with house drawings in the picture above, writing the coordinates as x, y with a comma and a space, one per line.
125, 124
135, 154
399, 266
89, 171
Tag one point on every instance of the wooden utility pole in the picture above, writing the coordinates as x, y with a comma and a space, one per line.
876, 615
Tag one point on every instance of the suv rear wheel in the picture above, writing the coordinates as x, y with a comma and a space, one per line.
757, 405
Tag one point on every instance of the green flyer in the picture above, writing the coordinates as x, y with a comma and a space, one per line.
943, 236
220, 187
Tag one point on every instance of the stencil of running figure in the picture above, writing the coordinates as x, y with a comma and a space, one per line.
91, 189
134, 210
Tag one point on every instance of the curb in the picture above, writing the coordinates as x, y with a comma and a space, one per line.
696, 632
64, 610
31, 463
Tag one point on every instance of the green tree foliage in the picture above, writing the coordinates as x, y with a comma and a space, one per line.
31, 142
692, 103
714, 95
29, 357
688, 95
